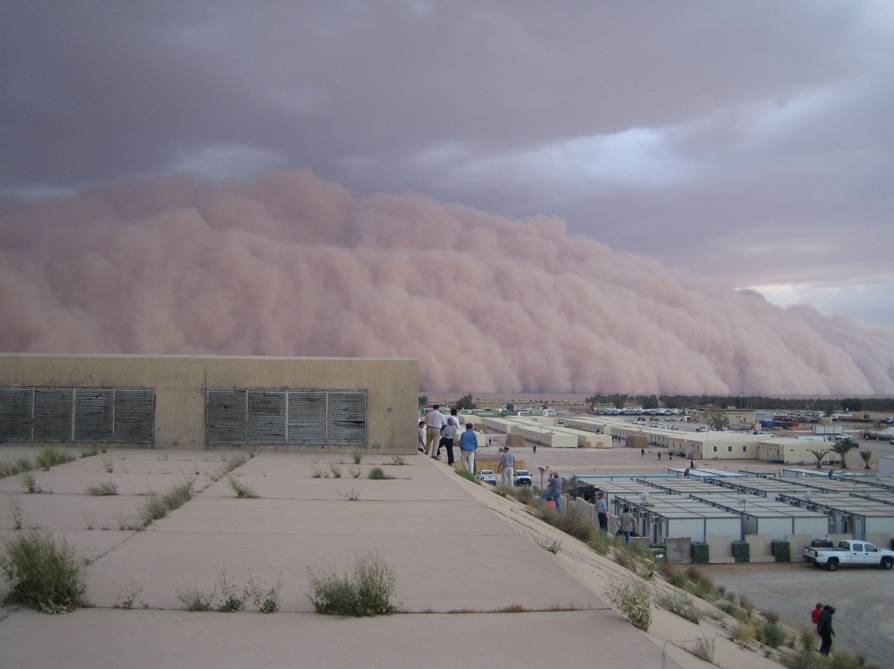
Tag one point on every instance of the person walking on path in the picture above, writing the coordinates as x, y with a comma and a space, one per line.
554, 489
642, 452
534, 446
507, 467
468, 444
626, 524
815, 614
434, 421
448, 436
602, 511
420, 441
824, 629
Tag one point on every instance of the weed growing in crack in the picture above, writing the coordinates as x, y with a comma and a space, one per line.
15, 513
365, 589
351, 495
336, 471
551, 545
398, 460
355, 472
356, 457
126, 596
107, 464
43, 574
703, 649
633, 600
196, 599
50, 457
316, 472
29, 484
680, 605
241, 489
103, 488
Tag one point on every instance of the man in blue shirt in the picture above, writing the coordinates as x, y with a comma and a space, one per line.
468, 443
554, 489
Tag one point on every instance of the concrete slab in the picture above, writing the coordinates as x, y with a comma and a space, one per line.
431, 574
69, 512
720, 550
76, 482
679, 550
101, 639
759, 547
797, 543
408, 490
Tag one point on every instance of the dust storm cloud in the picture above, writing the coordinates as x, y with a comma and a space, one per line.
294, 265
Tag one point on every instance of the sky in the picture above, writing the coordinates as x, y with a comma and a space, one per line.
741, 145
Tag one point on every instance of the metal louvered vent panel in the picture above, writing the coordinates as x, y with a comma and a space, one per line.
52, 414
307, 418
225, 416
266, 417
15, 414
94, 415
346, 421
134, 416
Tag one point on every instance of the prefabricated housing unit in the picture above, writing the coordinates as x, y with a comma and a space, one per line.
848, 514
769, 517
663, 517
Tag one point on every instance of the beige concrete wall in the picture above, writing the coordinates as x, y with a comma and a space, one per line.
180, 383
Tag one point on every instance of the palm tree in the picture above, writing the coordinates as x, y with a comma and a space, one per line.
866, 455
842, 448
819, 455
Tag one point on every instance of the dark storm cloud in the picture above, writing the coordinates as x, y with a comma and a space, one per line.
747, 142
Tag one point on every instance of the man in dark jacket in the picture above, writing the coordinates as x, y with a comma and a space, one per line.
824, 629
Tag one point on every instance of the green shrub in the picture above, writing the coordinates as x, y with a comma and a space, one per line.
743, 633
233, 463
103, 488
636, 560
336, 471
772, 635
89, 451
770, 616
356, 457
154, 508
15, 513
241, 489
398, 460
178, 495
265, 599
746, 603
49, 457
673, 575
634, 602
355, 472
12, 468
523, 494
43, 574
466, 474
680, 605
365, 590
378, 474
600, 542
572, 522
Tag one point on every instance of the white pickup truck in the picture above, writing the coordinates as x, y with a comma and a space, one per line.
849, 552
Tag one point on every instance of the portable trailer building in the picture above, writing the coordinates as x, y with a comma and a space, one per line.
662, 517
848, 514
875, 494
584, 439
545, 436
761, 487
588, 488
833, 486
498, 425
768, 517
682, 486
586, 424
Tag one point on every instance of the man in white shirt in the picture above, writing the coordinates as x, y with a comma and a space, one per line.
434, 421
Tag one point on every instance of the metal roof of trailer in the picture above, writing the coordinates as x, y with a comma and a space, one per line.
758, 507
623, 487
681, 486
875, 494
764, 486
855, 506
833, 486
677, 506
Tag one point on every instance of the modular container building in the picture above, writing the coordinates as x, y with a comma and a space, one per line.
498, 425
833, 486
763, 487
875, 494
662, 517
848, 514
768, 517
584, 439
543, 436
681, 486
586, 424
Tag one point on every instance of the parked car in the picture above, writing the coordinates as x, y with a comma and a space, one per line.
487, 476
849, 552
522, 477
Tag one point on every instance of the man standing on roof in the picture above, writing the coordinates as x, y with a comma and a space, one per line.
434, 421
